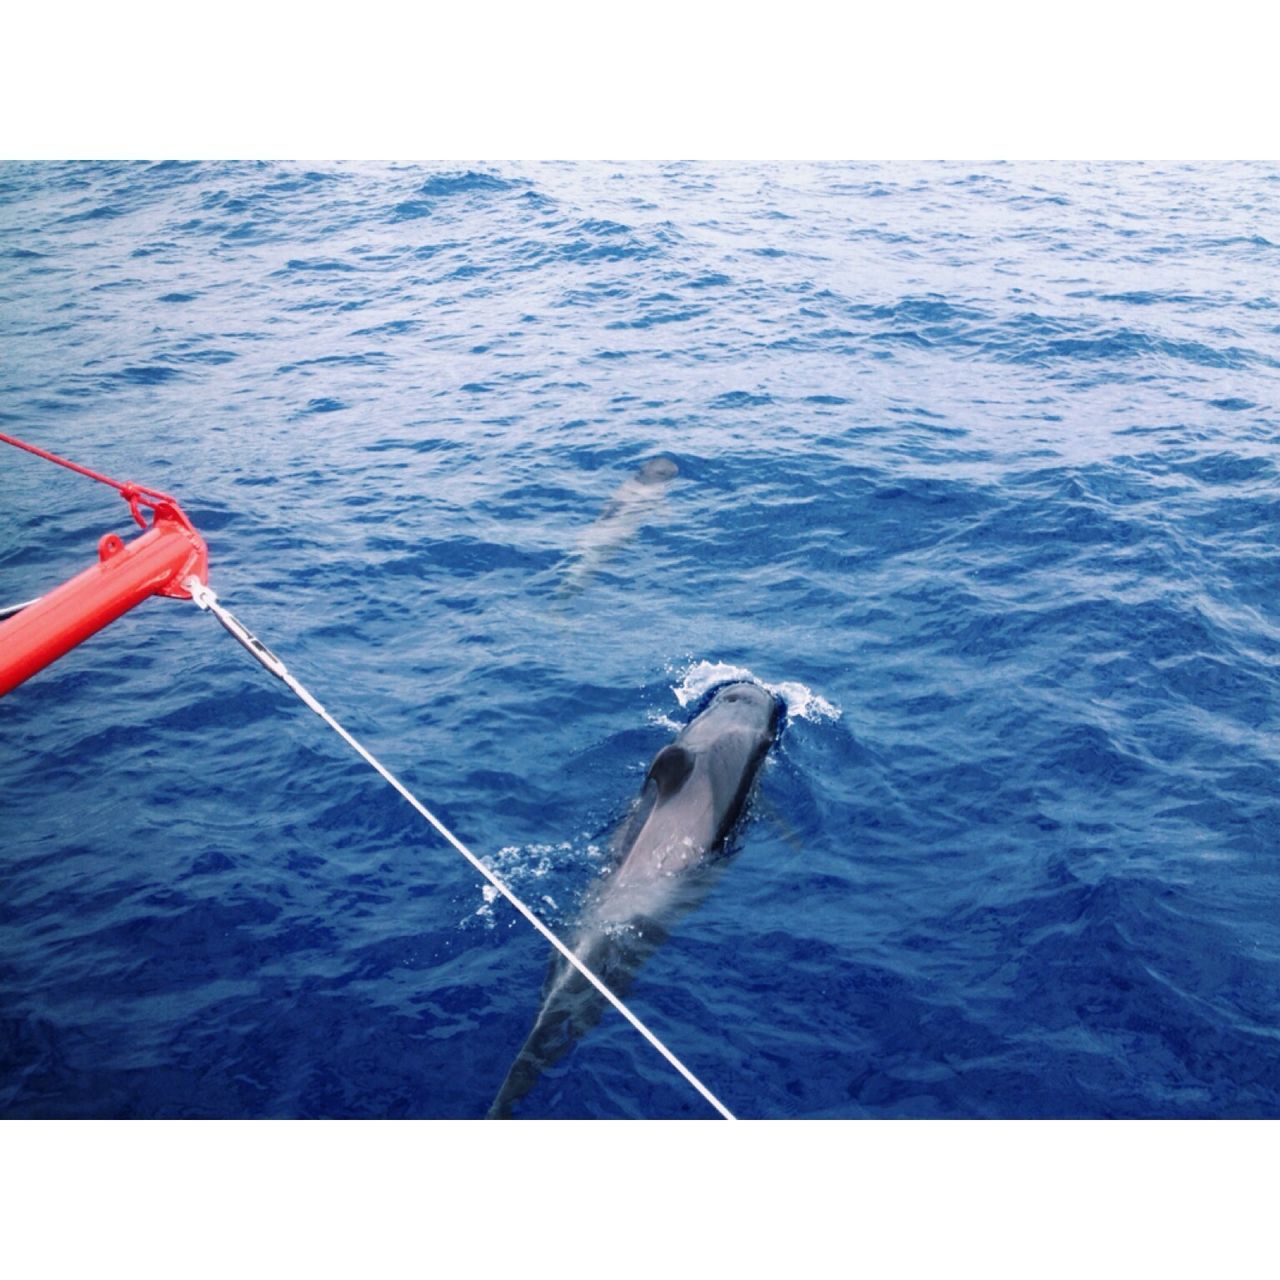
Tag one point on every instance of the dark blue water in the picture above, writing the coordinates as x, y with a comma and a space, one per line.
978, 468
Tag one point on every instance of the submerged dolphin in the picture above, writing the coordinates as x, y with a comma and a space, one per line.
693, 794
632, 502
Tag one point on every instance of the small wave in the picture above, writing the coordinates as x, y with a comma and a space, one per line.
603, 227
313, 264
146, 375
203, 355
1253, 242
451, 184
391, 326
607, 249
100, 213
358, 360
659, 318
324, 404
1144, 297
741, 400
801, 701
409, 210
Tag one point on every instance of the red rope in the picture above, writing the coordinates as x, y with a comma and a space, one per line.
133, 494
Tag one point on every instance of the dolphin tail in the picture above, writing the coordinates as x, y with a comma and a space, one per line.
572, 1006
547, 1043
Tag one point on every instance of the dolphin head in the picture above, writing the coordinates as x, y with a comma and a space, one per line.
657, 471
740, 706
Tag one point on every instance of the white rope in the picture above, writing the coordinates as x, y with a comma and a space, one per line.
207, 600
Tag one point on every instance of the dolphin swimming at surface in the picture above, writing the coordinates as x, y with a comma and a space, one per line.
693, 794
632, 503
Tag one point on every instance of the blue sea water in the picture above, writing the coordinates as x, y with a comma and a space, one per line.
978, 468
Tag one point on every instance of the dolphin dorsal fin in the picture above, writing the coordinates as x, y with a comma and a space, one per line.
670, 767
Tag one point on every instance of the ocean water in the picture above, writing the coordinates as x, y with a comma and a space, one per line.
977, 469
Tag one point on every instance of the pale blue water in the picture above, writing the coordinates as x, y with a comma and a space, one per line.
977, 465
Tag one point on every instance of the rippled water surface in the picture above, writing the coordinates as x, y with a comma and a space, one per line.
977, 467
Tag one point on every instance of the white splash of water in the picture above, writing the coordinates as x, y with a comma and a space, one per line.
801, 702
520, 866
664, 721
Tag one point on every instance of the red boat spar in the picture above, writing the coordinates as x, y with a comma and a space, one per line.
159, 562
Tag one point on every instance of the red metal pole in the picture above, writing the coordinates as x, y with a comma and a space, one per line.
156, 563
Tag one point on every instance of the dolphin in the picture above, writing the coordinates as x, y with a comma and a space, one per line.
693, 794
619, 521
